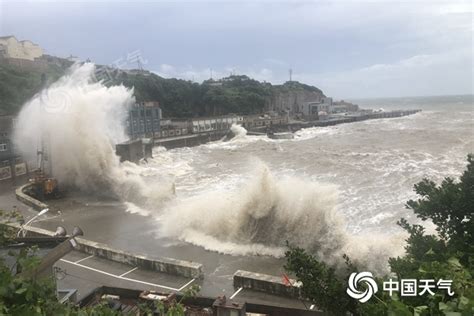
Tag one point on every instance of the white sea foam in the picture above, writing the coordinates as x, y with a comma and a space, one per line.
80, 121
238, 131
260, 216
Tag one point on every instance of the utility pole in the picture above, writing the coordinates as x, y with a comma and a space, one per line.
140, 66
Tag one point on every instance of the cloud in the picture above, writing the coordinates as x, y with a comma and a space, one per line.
346, 47
428, 74
200, 74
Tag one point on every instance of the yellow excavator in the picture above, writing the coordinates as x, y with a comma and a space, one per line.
44, 187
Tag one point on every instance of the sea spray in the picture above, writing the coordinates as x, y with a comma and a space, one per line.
238, 130
80, 121
259, 217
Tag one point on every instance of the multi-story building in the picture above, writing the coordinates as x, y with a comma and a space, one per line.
265, 121
343, 106
311, 110
217, 123
10, 47
144, 120
180, 127
12, 167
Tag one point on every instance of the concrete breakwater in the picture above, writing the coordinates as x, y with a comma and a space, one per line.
263, 125
189, 140
350, 118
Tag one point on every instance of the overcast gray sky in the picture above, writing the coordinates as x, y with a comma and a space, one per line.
349, 49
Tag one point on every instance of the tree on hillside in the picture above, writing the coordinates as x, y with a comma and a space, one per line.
447, 255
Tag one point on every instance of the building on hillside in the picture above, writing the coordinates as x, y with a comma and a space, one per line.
343, 106
144, 120
10, 47
311, 110
12, 167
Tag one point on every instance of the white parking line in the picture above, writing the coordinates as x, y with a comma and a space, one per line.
118, 276
80, 260
184, 286
235, 294
123, 274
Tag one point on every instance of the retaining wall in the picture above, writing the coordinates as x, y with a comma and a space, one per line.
166, 265
189, 140
28, 200
265, 283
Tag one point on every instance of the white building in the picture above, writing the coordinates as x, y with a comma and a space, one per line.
312, 109
10, 47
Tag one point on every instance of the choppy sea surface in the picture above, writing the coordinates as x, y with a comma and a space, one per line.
331, 189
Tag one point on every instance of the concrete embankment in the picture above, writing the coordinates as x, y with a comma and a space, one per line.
351, 118
28, 200
266, 283
189, 140
166, 265
204, 137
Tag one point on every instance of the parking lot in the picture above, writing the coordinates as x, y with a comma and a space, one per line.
84, 272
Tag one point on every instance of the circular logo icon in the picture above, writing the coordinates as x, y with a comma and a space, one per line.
370, 286
54, 100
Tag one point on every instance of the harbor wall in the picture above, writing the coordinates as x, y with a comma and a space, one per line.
189, 140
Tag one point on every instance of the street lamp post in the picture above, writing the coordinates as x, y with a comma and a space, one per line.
22, 230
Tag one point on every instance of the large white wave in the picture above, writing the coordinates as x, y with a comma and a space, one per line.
261, 216
80, 121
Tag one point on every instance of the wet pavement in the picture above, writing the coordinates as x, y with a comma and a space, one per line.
108, 222
85, 273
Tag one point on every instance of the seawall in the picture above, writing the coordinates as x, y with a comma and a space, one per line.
189, 140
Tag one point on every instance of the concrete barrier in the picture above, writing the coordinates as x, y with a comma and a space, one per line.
189, 140
28, 200
266, 283
166, 265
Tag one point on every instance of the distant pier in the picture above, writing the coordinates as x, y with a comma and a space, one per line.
349, 118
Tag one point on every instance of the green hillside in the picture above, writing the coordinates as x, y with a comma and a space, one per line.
178, 98
18, 85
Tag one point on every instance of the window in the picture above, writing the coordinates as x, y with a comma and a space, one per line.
3, 147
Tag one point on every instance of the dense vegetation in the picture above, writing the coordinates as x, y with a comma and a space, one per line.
178, 98
18, 85
449, 255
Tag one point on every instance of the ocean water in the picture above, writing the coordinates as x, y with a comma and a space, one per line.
332, 190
